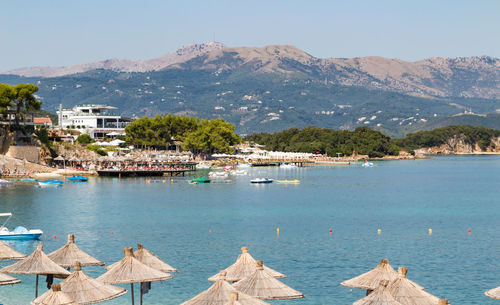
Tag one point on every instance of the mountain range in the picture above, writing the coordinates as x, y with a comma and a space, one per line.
279, 86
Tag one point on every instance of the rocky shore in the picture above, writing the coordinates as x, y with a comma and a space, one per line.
459, 146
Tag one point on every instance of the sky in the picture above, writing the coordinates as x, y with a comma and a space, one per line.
65, 32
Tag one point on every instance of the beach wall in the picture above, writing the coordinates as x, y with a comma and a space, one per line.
30, 153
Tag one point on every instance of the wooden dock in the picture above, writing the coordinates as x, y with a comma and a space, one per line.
298, 163
142, 173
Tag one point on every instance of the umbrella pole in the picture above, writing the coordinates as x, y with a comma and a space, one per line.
141, 293
36, 287
132, 291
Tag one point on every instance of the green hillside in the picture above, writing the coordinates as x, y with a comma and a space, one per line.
367, 141
252, 101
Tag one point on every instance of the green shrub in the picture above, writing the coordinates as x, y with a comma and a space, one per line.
97, 149
84, 139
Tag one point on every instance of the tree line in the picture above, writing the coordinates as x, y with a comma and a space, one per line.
367, 141
363, 140
197, 135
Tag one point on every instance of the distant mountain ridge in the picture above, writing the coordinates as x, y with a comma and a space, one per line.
277, 87
468, 77
122, 65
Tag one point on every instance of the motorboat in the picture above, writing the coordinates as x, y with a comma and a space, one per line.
288, 165
199, 180
218, 174
368, 164
228, 167
19, 233
288, 181
50, 183
239, 172
2, 181
262, 180
203, 166
244, 165
78, 179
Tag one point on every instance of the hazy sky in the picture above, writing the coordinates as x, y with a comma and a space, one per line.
64, 32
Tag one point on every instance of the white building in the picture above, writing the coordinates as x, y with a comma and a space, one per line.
97, 120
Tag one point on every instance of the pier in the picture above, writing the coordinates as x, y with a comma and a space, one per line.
141, 173
168, 169
276, 162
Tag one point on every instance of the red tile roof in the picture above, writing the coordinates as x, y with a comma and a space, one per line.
42, 121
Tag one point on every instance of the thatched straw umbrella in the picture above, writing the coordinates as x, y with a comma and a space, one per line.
7, 252
234, 298
131, 270
67, 255
371, 279
379, 296
243, 267
84, 289
409, 293
493, 293
8, 280
37, 263
220, 294
149, 259
56, 297
263, 285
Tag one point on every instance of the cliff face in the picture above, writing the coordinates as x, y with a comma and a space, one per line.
457, 146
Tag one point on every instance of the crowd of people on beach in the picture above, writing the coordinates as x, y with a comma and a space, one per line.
14, 172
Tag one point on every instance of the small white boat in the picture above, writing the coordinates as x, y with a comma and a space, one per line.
218, 174
2, 181
244, 165
239, 172
53, 183
288, 165
203, 166
262, 180
368, 164
19, 232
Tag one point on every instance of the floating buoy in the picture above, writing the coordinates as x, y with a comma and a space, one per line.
278, 231
53, 237
379, 231
470, 230
210, 231
430, 231
331, 230
110, 233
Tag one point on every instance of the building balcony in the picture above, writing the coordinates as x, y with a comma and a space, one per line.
113, 125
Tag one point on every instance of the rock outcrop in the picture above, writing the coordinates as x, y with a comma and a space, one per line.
457, 146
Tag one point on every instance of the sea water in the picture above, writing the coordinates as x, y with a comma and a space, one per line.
199, 229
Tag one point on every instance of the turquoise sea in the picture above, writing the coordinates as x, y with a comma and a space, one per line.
199, 229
